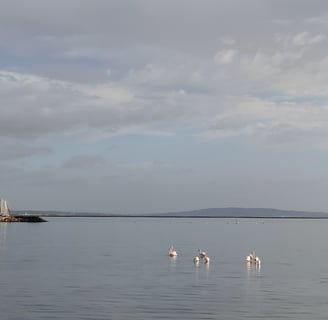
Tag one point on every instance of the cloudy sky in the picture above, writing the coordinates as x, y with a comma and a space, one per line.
150, 106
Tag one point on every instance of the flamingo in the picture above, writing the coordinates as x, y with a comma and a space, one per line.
202, 254
172, 252
253, 258
196, 260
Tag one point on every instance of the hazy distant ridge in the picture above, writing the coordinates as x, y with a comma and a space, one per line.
230, 212
248, 212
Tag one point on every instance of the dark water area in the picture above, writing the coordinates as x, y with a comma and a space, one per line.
118, 268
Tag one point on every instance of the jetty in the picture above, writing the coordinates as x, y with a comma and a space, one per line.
6, 216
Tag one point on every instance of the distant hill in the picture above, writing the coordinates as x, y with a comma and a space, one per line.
230, 212
235, 212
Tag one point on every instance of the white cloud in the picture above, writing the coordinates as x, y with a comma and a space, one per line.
227, 40
301, 39
271, 122
225, 56
160, 80
109, 94
321, 19
306, 38
34, 106
318, 38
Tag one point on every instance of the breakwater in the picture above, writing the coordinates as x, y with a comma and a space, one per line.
22, 218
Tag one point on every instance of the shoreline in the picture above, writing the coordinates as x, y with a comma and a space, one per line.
185, 216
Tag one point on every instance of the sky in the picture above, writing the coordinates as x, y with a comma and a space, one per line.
123, 106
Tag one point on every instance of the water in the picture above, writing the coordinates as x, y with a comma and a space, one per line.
118, 268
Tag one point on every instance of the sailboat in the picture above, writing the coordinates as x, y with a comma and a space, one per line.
4, 209
6, 216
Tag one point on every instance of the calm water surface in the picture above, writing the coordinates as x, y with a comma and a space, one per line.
118, 268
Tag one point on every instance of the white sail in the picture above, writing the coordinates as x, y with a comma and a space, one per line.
2, 206
4, 210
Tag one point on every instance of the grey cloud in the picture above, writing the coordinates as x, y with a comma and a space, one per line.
281, 134
162, 53
188, 25
16, 151
34, 107
84, 162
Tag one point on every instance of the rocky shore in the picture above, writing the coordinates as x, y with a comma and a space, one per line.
22, 218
